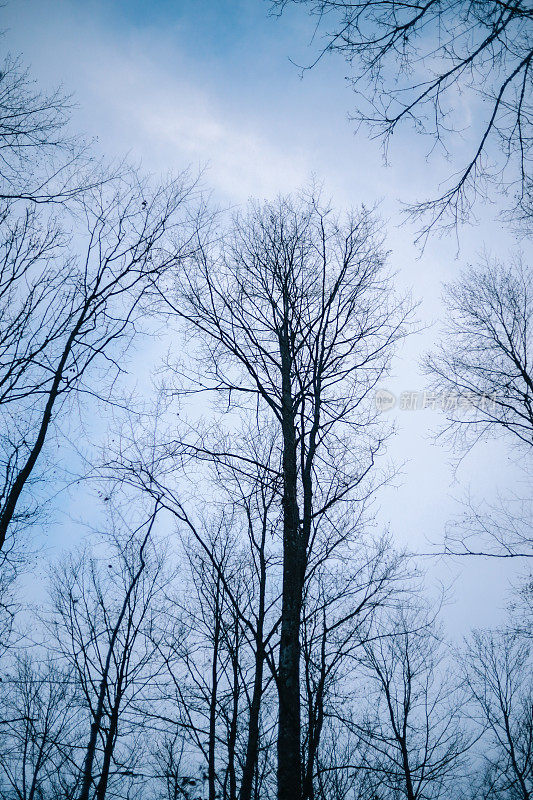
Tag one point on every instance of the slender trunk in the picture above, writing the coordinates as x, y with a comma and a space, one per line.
101, 788
13, 494
289, 726
307, 781
232, 739
252, 745
36, 771
314, 705
308, 791
316, 722
289, 766
211, 767
512, 753
410, 792
91, 747
99, 712
296, 537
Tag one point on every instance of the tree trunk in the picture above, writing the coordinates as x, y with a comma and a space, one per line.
289, 765
252, 745
13, 493
211, 769
101, 788
407, 771
232, 739
316, 722
99, 713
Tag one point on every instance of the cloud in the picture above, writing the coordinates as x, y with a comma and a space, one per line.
137, 89
182, 123
170, 122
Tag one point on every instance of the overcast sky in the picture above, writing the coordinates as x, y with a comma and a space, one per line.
210, 84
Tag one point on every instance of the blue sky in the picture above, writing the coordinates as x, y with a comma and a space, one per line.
210, 84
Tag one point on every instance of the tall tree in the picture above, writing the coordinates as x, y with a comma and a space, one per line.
79, 247
293, 316
498, 674
227, 616
66, 319
340, 602
482, 367
412, 729
38, 731
104, 628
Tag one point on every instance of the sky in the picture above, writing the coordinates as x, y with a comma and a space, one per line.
213, 85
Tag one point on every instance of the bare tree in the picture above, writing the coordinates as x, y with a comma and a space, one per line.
40, 161
171, 772
104, 625
408, 63
66, 320
205, 657
79, 247
482, 370
250, 583
498, 668
485, 356
256, 494
521, 608
339, 773
9, 604
339, 603
40, 723
252, 495
216, 659
294, 318
412, 735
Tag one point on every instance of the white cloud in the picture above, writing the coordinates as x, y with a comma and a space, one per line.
170, 122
